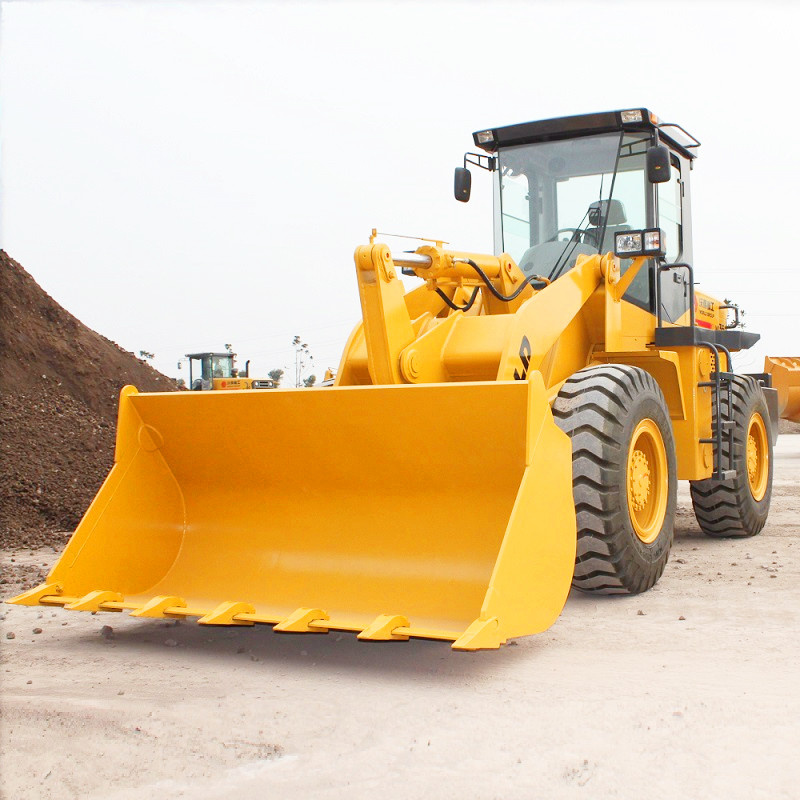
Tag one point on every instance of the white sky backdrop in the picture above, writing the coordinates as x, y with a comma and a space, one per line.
181, 175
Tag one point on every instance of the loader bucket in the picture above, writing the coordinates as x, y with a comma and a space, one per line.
442, 511
786, 379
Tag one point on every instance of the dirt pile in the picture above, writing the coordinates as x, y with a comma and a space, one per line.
59, 385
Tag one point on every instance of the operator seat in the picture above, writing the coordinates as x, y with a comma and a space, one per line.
616, 221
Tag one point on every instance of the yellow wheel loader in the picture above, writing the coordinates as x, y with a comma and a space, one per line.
514, 425
217, 371
785, 375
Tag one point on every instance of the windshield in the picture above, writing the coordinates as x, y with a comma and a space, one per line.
556, 198
222, 366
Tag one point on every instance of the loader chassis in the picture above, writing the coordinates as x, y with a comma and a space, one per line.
515, 424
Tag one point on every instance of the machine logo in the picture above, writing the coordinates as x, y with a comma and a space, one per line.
525, 357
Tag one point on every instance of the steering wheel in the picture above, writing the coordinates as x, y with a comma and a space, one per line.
577, 233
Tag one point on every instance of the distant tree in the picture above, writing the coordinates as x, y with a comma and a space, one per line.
302, 358
310, 380
147, 355
276, 375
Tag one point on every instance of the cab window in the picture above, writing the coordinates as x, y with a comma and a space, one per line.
669, 213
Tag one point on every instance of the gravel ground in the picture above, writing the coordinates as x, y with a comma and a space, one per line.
689, 690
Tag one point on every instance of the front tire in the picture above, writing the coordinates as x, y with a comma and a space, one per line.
738, 508
623, 477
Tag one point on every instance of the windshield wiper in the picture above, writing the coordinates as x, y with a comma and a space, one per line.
559, 265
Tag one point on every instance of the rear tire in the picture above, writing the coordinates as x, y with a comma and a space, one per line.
623, 477
738, 508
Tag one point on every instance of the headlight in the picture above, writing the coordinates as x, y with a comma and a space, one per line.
628, 244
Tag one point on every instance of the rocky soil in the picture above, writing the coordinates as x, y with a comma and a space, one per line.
59, 384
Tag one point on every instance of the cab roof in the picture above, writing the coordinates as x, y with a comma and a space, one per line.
546, 130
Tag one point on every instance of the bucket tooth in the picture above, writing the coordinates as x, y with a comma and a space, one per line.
483, 634
384, 628
300, 621
226, 613
33, 596
94, 600
159, 606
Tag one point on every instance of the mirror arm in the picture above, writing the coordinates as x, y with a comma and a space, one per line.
490, 161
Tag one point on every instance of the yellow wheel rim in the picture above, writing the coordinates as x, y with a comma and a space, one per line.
647, 480
757, 457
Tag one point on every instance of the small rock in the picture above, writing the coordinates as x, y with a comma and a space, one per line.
121, 692
680, 561
681, 617
640, 613
11, 635
29, 682
107, 632
37, 630
773, 576
513, 644
170, 643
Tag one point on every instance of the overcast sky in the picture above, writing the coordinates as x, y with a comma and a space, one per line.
181, 175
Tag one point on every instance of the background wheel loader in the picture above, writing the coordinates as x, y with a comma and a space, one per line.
514, 425
217, 371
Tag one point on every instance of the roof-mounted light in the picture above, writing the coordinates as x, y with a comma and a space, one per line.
634, 115
485, 137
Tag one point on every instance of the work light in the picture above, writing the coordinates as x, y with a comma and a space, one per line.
628, 244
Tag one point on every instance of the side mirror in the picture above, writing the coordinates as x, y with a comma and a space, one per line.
462, 184
658, 164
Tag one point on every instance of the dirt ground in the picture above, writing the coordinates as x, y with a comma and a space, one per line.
688, 691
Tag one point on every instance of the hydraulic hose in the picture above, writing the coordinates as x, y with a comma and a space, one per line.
490, 286
455, 306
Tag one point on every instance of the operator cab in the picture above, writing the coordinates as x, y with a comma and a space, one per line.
566, 187
204, 367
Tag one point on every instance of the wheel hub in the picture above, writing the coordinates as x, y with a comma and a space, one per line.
757, 457
752, 459
647, 479
639, 480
